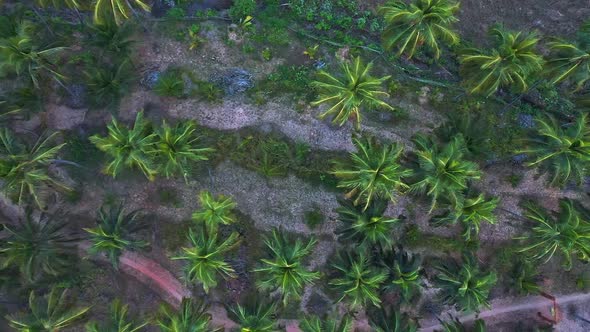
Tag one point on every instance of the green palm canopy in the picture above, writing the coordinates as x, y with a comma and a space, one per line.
509, 64
570, 61
348, 94
421, 23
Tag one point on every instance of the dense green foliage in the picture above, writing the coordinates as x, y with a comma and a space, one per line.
566, 232
205, 257
463, 284
358, 281
24, 167
421, 23
192, 316
114, 231
37, 247
254, 316
509, 64
570, 61
215, 211
51, 312
374, 172
284, 272
392, 320
563, 151
116, 10
348, 94
404, 271
455, 325
315, 324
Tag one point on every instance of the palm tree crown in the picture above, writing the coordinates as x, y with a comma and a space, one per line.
349, 94
564, 151
117, 10
284, 271
254, 317
420, 23
571, 61
403, 270
50, 313
374, 172
215, 211
463, 285
118, 321
567, 232
191, 317
205, 257
315, 324
443, 172
357, 281
508, 65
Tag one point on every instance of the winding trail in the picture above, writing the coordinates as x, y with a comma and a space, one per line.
529, 303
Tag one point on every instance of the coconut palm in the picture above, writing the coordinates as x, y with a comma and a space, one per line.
50, 313
442, 171
215, 211
391, 320
37, 247
358, 281
473, 127
114, 232
420, 23
205, 261
117, 10
118, 321
570, 60
403, 269
191, 317
20, 54
463, 284
567, 232
510, 64
563, 151
366, 228
472, 212
284, 272
176, 148
128, 147
348, 95
455, 325
254, 317
524, 278
112, 39
374, 172
315, 324
24, 168
107, 84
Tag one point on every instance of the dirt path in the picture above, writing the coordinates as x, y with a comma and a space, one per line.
530, 303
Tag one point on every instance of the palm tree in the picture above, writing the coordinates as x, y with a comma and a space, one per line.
37, 247
118, 321
472, 212
72, 4
570, 60
403, 271
366, 228
524, 278
510, 64
215, 211
563, 151
443, 172
128, 147
114, 232
24, 168
473, 127
205, 257
112, 39
463, 284
191, 317
108, 83
567, 232
284, 272
420, 23
117, 10
176, 148
50, 313
374, 172
254, 317
21, 55
358, 281
391, 320
349, 94
315, 324
455, 325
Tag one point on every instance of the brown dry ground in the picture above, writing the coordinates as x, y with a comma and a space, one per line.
276, 202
